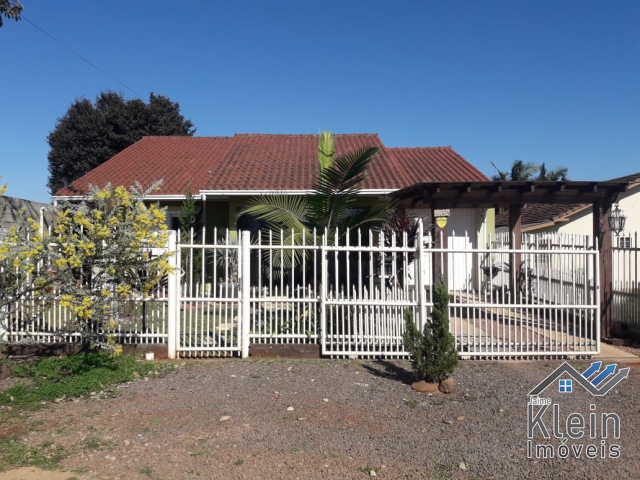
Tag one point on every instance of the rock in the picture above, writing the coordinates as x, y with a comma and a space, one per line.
462, 466
460, 418
225, 418
447, 386
424, 387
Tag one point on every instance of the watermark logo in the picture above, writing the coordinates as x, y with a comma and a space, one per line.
595, 386
598, 382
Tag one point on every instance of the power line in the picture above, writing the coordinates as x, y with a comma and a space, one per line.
83, 59
93, 65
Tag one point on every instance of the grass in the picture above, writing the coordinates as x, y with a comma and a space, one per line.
442, 469
299, 449
148, 471
74, 376
14, 454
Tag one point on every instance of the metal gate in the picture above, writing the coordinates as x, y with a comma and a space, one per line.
208, 308
350, 294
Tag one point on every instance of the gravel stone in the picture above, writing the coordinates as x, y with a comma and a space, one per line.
171, 426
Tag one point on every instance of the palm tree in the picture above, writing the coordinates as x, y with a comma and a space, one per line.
555, 175
520, 172
328, 207
333, 193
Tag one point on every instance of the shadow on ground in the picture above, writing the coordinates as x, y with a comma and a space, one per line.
390, 370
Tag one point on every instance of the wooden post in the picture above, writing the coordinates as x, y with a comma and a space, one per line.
515, 243
602, 231
440, 259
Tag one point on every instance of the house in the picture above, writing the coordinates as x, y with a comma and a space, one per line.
36, 210
577, 218
223, 172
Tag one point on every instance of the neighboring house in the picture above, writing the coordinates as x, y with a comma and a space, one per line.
576, 218
223, 172
34, 210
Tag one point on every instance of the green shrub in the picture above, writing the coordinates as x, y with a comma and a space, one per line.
433, 352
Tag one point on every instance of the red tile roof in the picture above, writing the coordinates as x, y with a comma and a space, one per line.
265, 162
538, 213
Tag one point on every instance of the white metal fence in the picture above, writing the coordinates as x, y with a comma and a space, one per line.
42, 319
626, 286
349, 292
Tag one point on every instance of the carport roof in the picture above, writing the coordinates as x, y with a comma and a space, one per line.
503, 194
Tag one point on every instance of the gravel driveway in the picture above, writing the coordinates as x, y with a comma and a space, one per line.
327, 419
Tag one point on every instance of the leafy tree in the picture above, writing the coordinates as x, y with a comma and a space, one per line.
433, 352
10, 9
89, 134
97, 256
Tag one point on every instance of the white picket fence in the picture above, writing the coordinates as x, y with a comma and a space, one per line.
349, 294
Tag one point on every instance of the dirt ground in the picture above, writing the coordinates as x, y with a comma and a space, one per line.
324, 419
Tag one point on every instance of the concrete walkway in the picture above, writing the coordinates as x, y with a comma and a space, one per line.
611, 352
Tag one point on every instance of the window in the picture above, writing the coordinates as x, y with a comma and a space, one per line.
566, 386
624, 242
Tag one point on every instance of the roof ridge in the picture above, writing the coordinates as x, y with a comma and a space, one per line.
421, 148
209, 137
237, 134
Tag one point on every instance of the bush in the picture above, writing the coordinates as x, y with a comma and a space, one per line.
433, 352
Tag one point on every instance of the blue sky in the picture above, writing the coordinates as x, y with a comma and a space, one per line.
553, 81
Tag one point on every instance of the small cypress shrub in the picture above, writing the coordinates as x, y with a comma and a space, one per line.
433, 351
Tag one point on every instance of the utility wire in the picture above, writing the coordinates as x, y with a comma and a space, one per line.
89, 62
83, 59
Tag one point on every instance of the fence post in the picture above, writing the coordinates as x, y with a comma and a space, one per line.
245, 291
172, 301
420, 274
323, 293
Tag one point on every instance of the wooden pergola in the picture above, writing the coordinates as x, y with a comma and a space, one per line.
513, 195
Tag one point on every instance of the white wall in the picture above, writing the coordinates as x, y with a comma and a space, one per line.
466, 228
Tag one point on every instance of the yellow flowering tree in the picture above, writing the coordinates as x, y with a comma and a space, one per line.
102, 251
110, 248
24, 260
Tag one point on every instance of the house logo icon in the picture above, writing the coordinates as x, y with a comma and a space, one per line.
596, 382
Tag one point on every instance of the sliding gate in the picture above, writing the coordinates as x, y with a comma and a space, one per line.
351, 293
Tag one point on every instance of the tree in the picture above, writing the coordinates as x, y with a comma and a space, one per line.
97, 256
328, 206
433, 351
555, 175
526, 171
10, 9
520, 171
89, 134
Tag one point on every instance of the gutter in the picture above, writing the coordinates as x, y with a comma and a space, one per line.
236, 193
